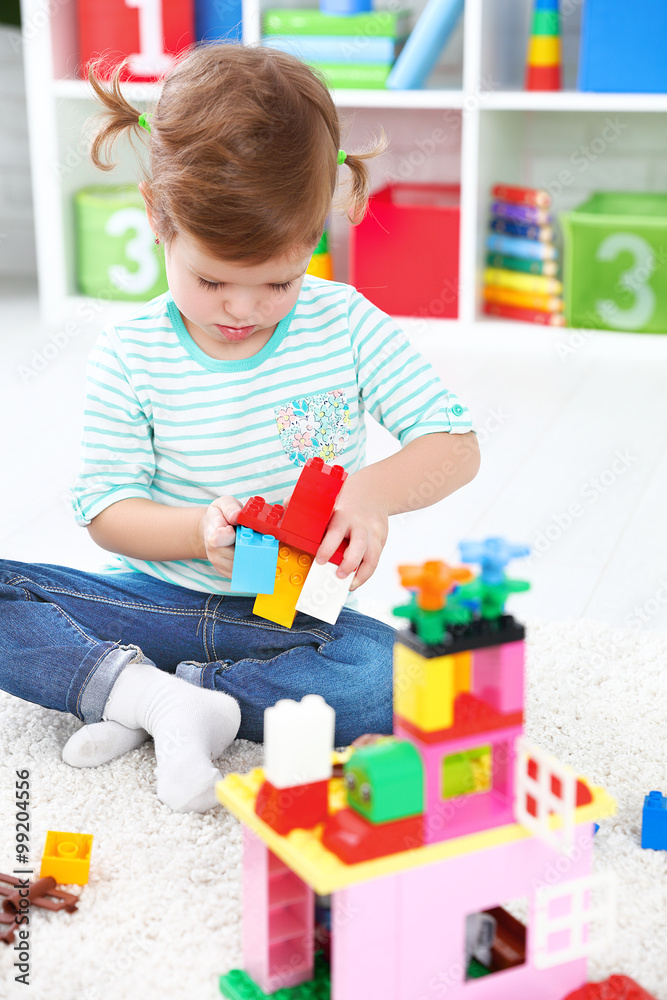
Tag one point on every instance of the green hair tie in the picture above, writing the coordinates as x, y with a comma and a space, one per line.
144, 122
342, 156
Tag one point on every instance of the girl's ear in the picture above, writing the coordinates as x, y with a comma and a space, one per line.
146, 195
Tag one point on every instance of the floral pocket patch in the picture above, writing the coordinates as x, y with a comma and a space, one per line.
314, 426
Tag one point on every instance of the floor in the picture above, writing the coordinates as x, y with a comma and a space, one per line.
573, 429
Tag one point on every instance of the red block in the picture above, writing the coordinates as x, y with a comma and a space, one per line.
311, 505
404, 254
352, 838
303, 522
543, 78
285, 809
614, 988
261, 516
152, 34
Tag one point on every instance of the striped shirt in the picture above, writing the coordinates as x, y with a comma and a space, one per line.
165, 421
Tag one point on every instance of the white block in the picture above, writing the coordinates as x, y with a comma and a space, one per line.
324, 594
298, 741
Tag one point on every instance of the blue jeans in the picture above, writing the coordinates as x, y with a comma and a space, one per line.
65, 635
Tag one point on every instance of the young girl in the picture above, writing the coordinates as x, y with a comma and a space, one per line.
218, 390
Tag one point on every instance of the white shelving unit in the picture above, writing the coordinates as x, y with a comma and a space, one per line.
569, 142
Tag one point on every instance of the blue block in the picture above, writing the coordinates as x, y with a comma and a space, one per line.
339, 7
654, 822
547, 5
623, 47
218, 20
255, 562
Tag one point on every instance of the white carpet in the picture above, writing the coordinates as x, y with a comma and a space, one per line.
159, 919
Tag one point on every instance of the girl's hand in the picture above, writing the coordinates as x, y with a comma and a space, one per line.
217, 534
362, 517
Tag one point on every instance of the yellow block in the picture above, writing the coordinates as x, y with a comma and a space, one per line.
424, 689
321, 266
66, 857
291, 573
462, 671
323, 871
544, 50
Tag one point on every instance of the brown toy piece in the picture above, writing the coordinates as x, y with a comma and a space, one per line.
41, 893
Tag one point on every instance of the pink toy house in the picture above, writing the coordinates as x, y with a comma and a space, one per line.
462, 870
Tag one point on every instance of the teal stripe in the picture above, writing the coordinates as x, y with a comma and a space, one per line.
289, 367
109, 388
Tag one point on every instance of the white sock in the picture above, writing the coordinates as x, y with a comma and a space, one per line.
101, 742
191, 726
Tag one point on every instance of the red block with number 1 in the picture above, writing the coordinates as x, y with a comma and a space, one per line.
149, 33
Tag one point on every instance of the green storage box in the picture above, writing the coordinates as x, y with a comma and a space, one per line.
615, 262
116, 255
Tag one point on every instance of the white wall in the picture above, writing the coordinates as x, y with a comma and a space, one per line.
17, 240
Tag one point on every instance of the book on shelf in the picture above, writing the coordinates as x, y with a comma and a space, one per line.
359, 76
524, 300
517, 246
522, 195
539, 283
526, 229
374, 24
524, 315
520, 213
523, 264
336, 48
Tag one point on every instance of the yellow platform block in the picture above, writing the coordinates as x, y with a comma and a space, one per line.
66, 857
291, 573
321, 265
544, 50
425, 689
304, 853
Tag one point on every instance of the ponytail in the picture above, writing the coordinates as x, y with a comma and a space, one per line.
118, 114
355, 198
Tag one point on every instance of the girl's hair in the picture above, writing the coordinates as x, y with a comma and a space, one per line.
243, 152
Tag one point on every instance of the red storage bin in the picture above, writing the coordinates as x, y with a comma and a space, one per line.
150, 32
404, 255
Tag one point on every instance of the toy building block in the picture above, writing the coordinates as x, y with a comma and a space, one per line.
291, 571
432, 581
298, 741
424, 688
278, 919
543, 67
299, 807
303, 522
654, 822
353, 839
493, 554
21, 893
324, 593
614, 988
312, 502
255, 562
67, 856
384, 781
261, 516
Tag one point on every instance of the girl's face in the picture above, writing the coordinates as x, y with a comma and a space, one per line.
231, 310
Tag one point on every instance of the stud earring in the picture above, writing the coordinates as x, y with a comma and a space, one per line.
157, 239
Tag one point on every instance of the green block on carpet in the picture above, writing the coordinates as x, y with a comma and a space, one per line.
237, 985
